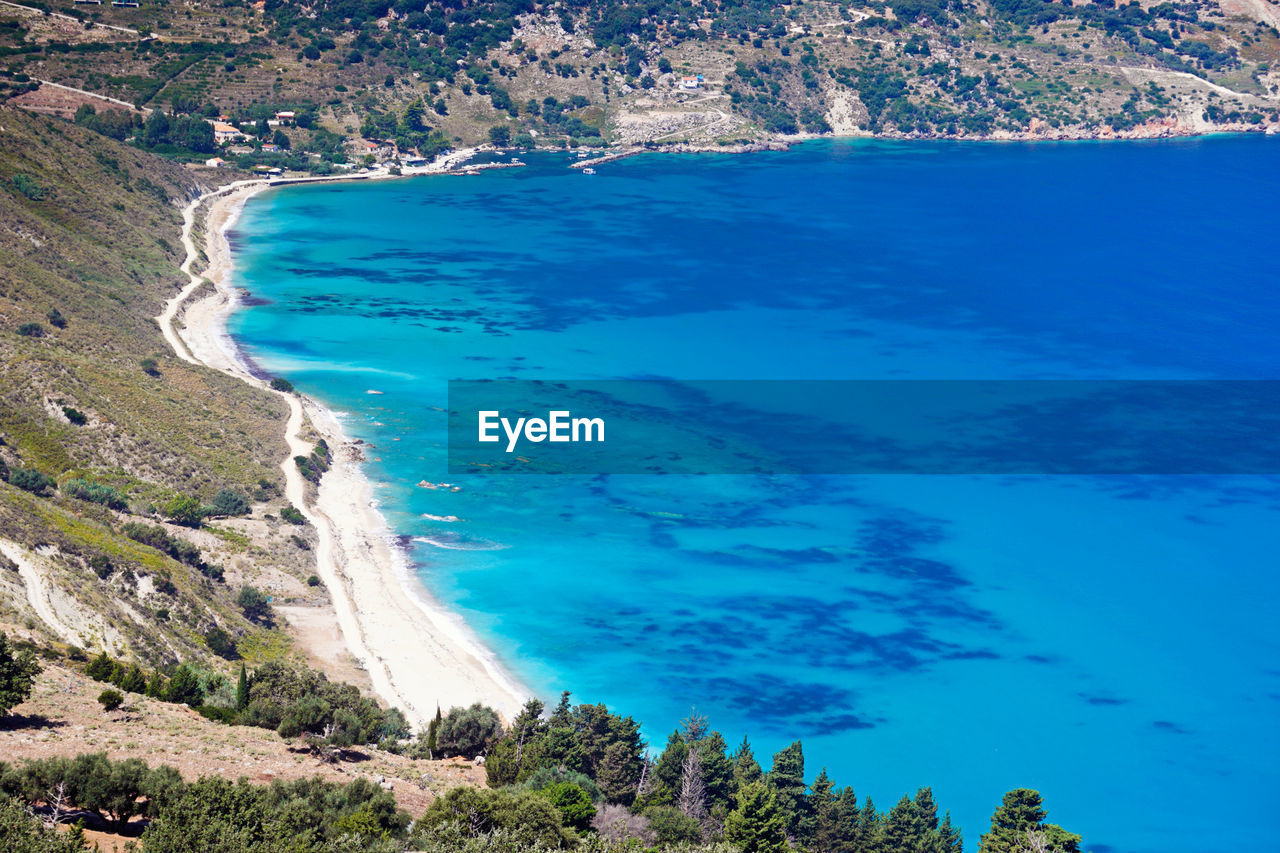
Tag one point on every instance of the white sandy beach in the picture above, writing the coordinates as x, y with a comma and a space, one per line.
418, 655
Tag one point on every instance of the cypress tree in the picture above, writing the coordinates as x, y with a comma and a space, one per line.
242, 690
432, 729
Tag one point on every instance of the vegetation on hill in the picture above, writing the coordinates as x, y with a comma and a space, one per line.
430, 74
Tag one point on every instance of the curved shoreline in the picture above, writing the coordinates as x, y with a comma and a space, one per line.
418, 655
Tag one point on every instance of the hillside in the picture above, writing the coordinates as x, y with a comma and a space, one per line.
432, 75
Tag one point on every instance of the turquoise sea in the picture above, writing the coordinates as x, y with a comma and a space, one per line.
1108, 640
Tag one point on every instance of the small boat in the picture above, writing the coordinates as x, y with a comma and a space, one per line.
588, 171
470, 171
581, 154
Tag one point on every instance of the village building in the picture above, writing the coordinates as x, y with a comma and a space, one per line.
223, 132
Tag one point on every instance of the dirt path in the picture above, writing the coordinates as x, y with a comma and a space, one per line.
67, 17
94, 95
1168, 76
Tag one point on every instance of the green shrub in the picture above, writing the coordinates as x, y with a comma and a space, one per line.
526, 819
672, 826
468, 731
221, 644
229, 502
75, 416
573, 803
28, 187
255, 604
281, 384
150, 366
180, 549
101, 566
31, 330
292, 515
56, 319
183, 510
94, 493
111, 699
18, 670
312, 580
31, 480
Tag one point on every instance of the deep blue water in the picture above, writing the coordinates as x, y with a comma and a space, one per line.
1110, 641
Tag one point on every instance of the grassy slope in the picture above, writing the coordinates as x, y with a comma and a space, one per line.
102, 246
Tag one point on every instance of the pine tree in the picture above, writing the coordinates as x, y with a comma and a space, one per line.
717, 770
134, 681
616, 776
693, 728
848, 821
562, 716
787, 778
822, 805
242, 690
1021, 812
757, 825
670, 767
871, 828
184, 688
926, 809
99, 669
156, 687
950, 836
900, 829
745, 767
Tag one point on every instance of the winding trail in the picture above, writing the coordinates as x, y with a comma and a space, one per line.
1167, 75
295, 485
69, 18
107, 98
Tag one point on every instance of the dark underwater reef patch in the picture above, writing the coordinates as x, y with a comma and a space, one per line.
1171, 728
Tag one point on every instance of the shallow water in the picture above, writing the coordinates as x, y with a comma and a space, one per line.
1106, 640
